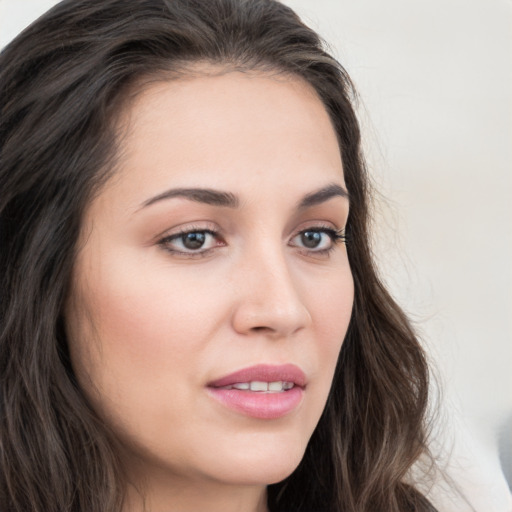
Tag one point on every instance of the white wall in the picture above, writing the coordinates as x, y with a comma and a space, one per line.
436, 85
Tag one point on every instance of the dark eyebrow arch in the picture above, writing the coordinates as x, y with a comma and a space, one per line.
229, 200
200, 195
323, 195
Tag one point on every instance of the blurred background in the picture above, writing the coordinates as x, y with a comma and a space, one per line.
435, 86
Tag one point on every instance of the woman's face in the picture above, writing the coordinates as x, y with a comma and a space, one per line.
213, 261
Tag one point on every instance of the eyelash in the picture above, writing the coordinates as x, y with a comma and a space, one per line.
336, 236
167, 240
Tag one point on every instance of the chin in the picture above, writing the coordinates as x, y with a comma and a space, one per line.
262, 465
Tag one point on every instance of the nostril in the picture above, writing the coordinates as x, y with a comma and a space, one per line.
261, 329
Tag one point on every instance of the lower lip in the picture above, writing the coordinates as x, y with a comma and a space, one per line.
261, 405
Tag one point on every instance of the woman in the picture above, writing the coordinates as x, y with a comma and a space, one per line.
191, 318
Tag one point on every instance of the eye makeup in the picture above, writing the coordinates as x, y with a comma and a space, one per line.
197, 241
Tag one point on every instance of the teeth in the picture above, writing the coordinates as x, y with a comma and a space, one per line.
257, 385
242, 385
275, 386
261, 386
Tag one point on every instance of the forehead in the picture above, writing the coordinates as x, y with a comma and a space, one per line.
235, 130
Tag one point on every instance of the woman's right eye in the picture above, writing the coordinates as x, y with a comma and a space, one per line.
191, 242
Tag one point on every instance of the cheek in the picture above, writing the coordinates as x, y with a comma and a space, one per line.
331, 307
334, 313
133, 333
139, 308
137, 345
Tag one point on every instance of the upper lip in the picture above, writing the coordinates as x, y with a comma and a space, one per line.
264, 373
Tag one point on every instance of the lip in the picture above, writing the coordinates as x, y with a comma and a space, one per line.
261, 405
263, 372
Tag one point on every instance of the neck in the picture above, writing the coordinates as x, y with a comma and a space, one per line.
193, 495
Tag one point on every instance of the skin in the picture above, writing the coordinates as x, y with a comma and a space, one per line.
150, 325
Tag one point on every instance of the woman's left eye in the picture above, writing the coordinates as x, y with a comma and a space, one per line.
318, 239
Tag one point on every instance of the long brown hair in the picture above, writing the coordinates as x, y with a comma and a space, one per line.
62, 84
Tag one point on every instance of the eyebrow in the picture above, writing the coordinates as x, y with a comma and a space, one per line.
323, 195
200, 195
229, 200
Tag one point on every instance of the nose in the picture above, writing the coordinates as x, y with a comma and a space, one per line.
269, 301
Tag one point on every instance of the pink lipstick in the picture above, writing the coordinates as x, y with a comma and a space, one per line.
262, 391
